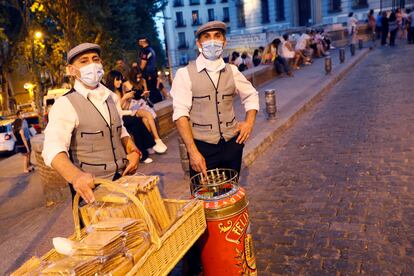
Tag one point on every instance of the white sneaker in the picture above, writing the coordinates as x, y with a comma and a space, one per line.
150, 151
159, 148
161, 143
148, 160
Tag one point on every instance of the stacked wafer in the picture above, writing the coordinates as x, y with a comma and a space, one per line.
101, 243
75, 265
117, 265
146, 189
133, 229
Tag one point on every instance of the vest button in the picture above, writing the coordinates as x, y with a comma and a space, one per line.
219, 112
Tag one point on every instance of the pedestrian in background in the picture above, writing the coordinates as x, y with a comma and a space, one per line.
393, 27
22, 144
257, 58
410, 19
378, 25
148, 65
372, 24
352, 28
385, 28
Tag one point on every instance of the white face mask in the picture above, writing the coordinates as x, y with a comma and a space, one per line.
91, 74
212, 49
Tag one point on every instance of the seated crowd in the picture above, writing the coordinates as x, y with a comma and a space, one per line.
284, 53
138, 114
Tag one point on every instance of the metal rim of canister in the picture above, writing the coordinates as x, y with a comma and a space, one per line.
228, 211
197, 185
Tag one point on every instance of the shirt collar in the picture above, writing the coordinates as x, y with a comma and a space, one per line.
212, 66
100, 93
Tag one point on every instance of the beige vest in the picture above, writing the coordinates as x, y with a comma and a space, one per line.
96, 147
212, 115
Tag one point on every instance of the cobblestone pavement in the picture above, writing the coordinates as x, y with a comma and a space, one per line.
335, 195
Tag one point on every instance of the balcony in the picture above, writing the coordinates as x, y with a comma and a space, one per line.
194, 2
178, 3
196, 23
210, 2
180, 23
224, 1
182, 45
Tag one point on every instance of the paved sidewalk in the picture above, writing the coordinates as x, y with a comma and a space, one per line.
27, 229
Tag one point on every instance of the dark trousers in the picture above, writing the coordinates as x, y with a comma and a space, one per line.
384, 36
378, 31
142, 137
393, 35
281, 65
225, 155
155, 94
410, 35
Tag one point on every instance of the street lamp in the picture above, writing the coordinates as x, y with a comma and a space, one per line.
38, 34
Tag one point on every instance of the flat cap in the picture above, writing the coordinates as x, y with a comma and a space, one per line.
212, 25
82, 48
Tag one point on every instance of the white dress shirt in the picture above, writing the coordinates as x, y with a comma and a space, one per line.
183, 96
63, 119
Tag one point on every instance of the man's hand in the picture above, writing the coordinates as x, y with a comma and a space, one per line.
133, 162
83, 184
244, 129
197, 162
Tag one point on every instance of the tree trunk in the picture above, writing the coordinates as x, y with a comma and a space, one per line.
4, 92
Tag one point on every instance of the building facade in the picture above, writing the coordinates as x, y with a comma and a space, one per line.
181, 20
251, 21
253, 16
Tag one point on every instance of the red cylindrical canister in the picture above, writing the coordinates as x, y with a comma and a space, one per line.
227, 245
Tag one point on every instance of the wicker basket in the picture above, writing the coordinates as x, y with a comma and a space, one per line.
165, 251
168, 249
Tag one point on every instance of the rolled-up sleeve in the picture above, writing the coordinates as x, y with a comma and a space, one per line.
248, 94
181, 94
58, 133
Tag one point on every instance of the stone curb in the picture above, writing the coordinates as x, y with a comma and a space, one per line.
267, 136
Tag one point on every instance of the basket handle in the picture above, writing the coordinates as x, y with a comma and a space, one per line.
141, 209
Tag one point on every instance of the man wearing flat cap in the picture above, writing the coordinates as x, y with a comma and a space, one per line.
203, 94
85, 137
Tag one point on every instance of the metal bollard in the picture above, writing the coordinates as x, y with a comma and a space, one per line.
271, 108
328, 64
352, 48
342, 55
185, 162
360, 44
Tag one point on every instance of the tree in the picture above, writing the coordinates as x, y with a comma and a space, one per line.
114, 24
14, 19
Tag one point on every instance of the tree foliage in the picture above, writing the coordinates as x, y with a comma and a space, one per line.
114, 24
